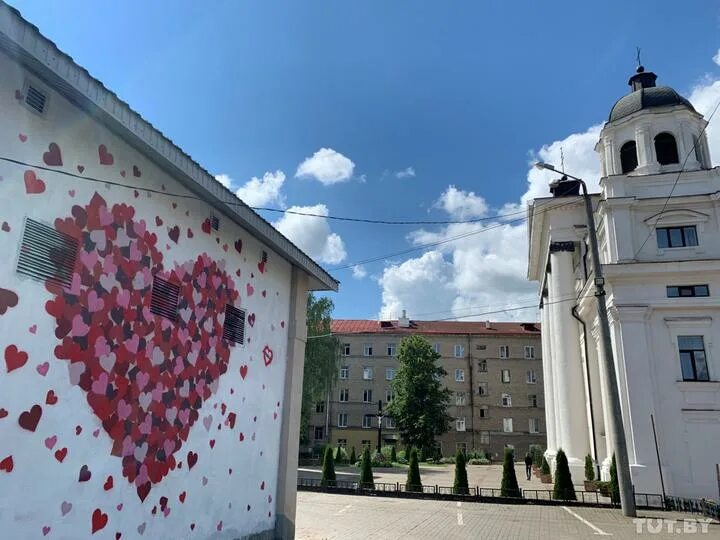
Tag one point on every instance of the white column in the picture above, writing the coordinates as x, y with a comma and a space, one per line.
569, 388
548, 382
605, 407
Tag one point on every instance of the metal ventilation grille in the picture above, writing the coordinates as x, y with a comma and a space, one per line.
215, 223
35, 98
47, 254
234, 327
164, 299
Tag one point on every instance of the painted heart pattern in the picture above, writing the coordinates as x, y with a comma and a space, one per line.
145, 376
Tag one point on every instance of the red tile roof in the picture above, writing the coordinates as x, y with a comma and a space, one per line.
355, 326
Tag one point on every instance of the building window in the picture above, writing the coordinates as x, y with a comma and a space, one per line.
531, 376
534, 425
506, 400
460, 424
320, 407
344, 372
342, 443
484, 437
391, 349
685, 291
458, 351
504, 351
628, 157
480, 347
346, 349
368, 373
666, 149
389, 422
344, 395
367, 349
461, 446
505, 375
389, 395
484, 411
436, 347
367, 396
532, 401
367, 420
342, 419
529, 352
459, 399
483, 389
460, 375
674, 237
482, 366
319, 433
365, 443
389, 374
692, 358
507, 425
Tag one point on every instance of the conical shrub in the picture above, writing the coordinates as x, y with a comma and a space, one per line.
509, 486
614, 484
338, 455
328, 470
413, 478
563, 489
589, 468
460, 486
366, 475
353, 457
393, 455
545, 467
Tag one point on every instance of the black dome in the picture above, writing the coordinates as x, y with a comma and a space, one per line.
647, 98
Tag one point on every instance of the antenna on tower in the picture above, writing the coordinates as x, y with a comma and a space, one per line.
637, 56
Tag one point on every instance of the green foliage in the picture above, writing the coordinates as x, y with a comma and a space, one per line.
328, 470
420, 404
545, 467
509, 485
366, 475
537, 455
353, 457
563, 488
321, 359
614, 484
589, 468
338, 455
413, 477
460, 484
393, 455
479, 461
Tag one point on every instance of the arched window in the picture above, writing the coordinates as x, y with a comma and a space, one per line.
666, 149
628, 157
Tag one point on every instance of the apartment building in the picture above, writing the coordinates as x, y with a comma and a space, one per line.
494, 370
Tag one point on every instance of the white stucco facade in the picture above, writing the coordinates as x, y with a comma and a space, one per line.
659, 235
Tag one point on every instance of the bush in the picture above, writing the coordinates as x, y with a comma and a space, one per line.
614, 485
402, 454
402, 461
386, 451
509, 486
537, 456
447, 460
545, 467
460, 485
413, 477
366, 476
563, 489
328, 470
589, 468
341, 455
393, 455
421, 456
353, 457
479, 461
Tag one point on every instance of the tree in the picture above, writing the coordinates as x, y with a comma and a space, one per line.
353, 458
509, 485
338, 455
589, 468
419, 407
328, 470
563, 488
545, 467
614, 485
366, 475
321, 359
413, 477
393, 455
537, 456
461, 480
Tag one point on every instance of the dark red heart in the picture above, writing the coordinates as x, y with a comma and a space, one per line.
106, 158
192, 458
243, 371
81, 168
238, 245
212, 443
206, 226
8, 299
190, 233
174, 233
51, 398
5, 226
158, 221
7, 464
267, 355
182, 497
84, 474
19, 94
3, 413
99, 520
108, 485
136, 172
33, 184
29, 419
60, 454
53, 157
251, 319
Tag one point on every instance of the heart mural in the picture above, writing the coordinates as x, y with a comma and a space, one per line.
145, 376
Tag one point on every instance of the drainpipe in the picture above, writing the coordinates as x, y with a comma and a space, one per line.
587, 378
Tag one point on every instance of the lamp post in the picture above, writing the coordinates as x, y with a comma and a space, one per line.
570, 185
380, 416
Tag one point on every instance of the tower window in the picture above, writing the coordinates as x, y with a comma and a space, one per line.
666, 149
628, 157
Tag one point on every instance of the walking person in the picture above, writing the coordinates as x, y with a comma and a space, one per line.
528, 465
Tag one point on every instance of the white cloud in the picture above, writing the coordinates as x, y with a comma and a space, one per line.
224, 179
263, 191
313, 234
359, 272
705, 97
408, 172
327, 167
462, 204
716, 58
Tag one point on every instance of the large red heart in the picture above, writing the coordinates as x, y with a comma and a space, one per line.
53, 157
8, 299
145, 376
32, 183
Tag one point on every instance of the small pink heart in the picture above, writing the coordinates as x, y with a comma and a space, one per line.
33, 329
22, 137
65, 507
96, 433
50, 442
119, 507
71, 192
43, 368
46, 530
81, 168
249, 289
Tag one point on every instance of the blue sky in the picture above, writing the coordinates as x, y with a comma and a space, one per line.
453, 93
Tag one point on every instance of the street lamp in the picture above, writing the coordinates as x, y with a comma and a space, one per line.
380, 416
569, 186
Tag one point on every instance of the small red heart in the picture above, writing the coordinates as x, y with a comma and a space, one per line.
78, 430
261, 267
81, 168
53, 157
158, 221
251, 319
267, 355
192, 458
29, 419
262, 485
212, 443
22, 137
118, 535
182, 497
243, 371
174, 205
206, 226
192, 526
45, 530
71, 192
60, 454
5, 226
242, 437
264, 293
225, 247
106, 158
3, 413
7, 464
33, 184
238, 245
136, 193
99, 520
190, 233
108, 485
136, 172
51, 398
33, 329
84, 474
14, 358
